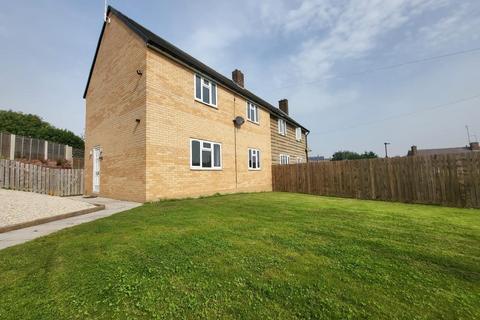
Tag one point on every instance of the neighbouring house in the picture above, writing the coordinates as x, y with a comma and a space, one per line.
317, 158
289, 139
161, 124
414, 151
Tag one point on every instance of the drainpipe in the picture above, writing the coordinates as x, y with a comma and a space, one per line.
235, 144
306, 144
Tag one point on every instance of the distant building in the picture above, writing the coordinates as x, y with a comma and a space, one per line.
317, 158
414, 151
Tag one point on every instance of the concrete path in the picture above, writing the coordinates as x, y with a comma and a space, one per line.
15, 237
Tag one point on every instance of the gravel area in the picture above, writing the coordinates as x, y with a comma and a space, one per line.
18, 206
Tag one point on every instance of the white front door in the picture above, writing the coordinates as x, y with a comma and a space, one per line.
96, 170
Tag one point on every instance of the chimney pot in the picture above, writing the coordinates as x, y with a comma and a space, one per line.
474, 146
413, 151
238, 78
283, 105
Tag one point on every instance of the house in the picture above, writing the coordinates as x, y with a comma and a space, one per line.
318, 158
289, 140
161, 124
414, 151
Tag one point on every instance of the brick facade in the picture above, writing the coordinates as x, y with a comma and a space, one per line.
115, 99
143, 122
174, 117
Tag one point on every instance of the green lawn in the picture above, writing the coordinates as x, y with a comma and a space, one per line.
257, 256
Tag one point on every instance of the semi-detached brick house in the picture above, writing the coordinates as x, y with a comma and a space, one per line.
161, 124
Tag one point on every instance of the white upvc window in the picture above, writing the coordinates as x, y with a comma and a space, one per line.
298, 134
282, 127
284, 159
253, 159
205, 155
205, 91
252, 112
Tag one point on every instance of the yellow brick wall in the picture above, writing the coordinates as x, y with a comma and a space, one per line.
287, 144
115, 99
174, 117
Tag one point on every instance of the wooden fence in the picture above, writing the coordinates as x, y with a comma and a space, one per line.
450, 180
28, 177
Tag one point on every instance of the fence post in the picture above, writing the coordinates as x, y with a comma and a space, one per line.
46, 150
68, 153
12, 146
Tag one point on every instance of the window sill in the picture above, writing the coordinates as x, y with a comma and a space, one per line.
205, 169
254, 122
251, 169
207, 104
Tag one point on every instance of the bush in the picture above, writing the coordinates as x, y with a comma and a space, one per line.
33, 126
350, 155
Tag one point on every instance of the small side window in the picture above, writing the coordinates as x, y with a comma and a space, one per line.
284, 159
253, 159
298, 134
205, 91
282, 127
252, 112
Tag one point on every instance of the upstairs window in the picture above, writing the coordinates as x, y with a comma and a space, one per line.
252, 112
282, 127
205, 155
205, 91
284, 159
298, 134
253, 159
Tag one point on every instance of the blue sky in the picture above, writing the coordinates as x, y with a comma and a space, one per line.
330, 58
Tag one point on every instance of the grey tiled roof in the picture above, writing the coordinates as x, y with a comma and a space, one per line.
153, 40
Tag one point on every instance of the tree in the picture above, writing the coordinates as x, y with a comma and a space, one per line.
350, 155
33, 126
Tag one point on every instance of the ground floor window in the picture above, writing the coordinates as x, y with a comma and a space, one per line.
284, 159
205, 155
253, 159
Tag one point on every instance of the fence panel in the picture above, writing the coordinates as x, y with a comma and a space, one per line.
28, 177
450, 180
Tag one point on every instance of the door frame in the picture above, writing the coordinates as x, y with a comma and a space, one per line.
96, 156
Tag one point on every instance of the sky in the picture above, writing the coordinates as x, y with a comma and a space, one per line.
356, 73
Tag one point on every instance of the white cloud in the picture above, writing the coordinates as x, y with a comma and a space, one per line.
355, 30
447, 29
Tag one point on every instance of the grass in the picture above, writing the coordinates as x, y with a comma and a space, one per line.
264, 255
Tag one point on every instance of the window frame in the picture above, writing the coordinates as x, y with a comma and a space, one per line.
212, 157
258, 162
255, 107
202, 85
284, 131
298, 134
285, 156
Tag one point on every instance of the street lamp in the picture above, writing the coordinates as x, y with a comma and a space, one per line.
386, 150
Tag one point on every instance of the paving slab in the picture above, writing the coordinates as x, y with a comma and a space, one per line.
112, 206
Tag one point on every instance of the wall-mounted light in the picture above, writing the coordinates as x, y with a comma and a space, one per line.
139, 72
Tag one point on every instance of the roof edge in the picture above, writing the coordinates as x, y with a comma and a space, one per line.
195, 64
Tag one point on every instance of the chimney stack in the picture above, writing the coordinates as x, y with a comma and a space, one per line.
238, 78
474, 146
283, 105
413, 151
